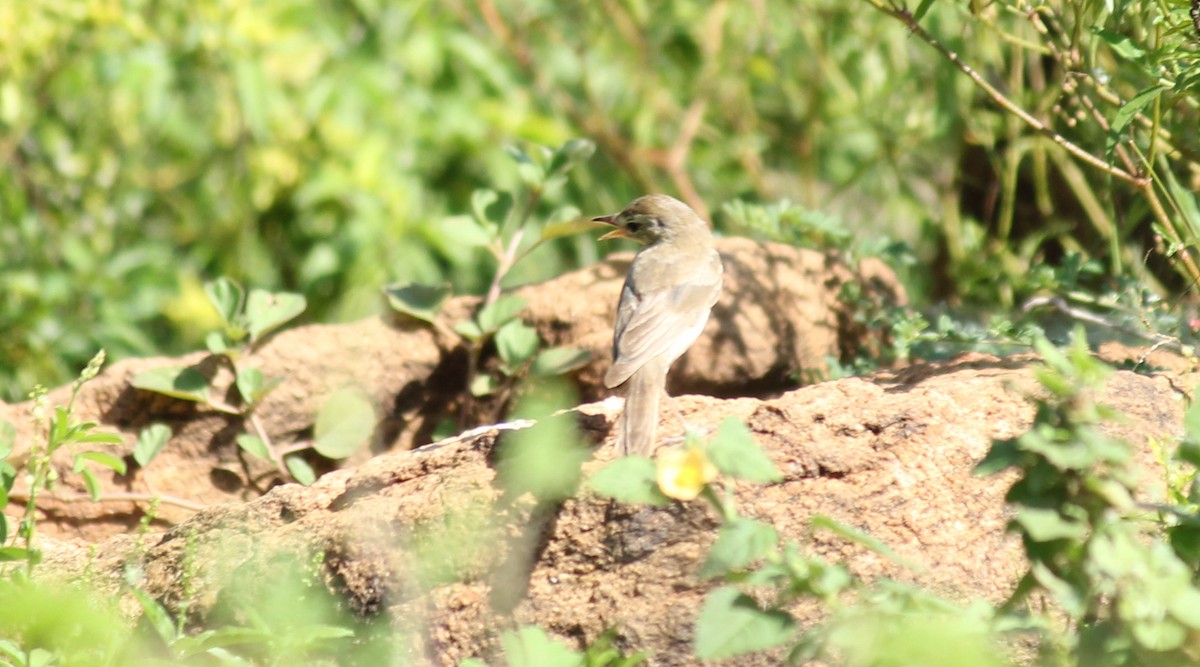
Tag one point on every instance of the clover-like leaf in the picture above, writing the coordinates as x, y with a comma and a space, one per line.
516, 343
739, 543
300, 470
570, 154
530, 646
254, 445
416, 300
226, 296
150, 442
344, 424
734, 453
188, 383
559, 360
501, 311
732, 624
629, 479
267, 311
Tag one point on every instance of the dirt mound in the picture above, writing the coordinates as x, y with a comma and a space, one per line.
780, 319
891, 455
427, 540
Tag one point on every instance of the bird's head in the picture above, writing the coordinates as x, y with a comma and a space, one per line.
653, 218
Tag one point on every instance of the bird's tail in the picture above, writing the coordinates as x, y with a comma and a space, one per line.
639, 419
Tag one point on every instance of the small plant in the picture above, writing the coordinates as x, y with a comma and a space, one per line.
343, 424
507, 226
55, 428
1130, 595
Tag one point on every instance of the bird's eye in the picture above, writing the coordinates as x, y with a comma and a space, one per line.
633, 227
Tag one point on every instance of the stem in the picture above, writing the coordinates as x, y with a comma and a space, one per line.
124, 498
902, 15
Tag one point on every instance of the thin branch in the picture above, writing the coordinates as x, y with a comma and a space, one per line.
902, 15
121, 498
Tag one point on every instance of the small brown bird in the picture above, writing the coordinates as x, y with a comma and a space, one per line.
672, 285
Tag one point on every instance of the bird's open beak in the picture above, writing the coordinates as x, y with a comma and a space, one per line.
616, 233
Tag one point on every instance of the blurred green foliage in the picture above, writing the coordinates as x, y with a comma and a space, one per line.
320, 148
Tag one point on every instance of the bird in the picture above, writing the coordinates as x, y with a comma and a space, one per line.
670, 289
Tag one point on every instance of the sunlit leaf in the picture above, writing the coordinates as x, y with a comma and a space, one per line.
422, 302
735, 453
150, 442
557, 230
570, 154
516, 343
266, 311
226, 296
253, 445
175, 381
530, 646
629, 479
732, 624
114, 463
1130, 109
559, 360
494, 315
344, 424
300, 470
739, 543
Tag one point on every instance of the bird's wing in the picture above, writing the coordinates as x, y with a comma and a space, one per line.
661, 323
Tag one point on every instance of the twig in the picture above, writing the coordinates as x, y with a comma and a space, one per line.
1060, 304
120, 498
901, 14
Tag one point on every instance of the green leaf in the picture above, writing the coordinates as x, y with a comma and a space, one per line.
344, 424
862, 539
1121, 44
466, 232
300, 470
530, 646
1186, 201
91, 483
731, 624
921, 10
556, 230
629, 479
733, 451
101, 438
469, 330
1003, 455
155, 614
1044, 525
483, 384
516, 343
175, 381
150, 442
496, 314
739, 543
226, 296
13, 553
252, 385
559, 360
60, 425
532, 175
422, 302
254, 445
8, 437
570, 154
115, 463
217, 343
491, 209
266, 311
1130, 109
251, 84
